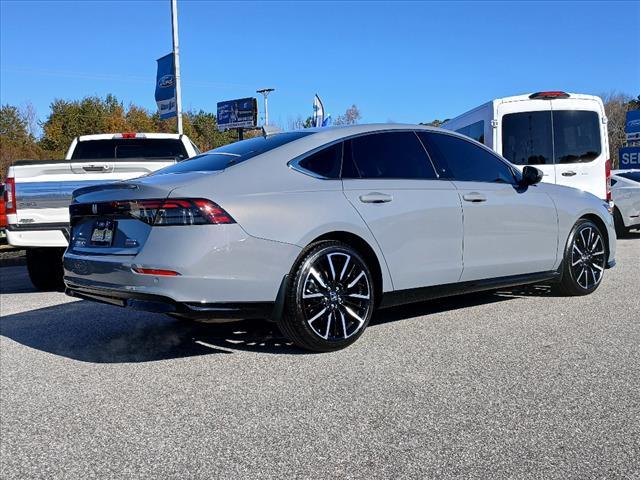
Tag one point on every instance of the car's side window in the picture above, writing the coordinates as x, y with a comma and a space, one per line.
386, 155
461, 160
324, 163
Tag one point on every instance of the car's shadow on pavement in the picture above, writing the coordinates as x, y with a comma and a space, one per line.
97, 333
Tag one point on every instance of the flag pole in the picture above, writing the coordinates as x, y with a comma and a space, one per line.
176, 59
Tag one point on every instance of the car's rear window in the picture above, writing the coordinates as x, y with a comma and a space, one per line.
635, 176
234, 153
121, 148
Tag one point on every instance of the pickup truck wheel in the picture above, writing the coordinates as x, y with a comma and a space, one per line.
45, 268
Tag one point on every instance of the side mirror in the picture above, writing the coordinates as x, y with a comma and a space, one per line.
531, 175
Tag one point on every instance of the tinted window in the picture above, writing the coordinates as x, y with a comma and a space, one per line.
223, 157
461, 160
475, 131
576, 136
386, 155
118, 148
325, 163
526, 138
635, 176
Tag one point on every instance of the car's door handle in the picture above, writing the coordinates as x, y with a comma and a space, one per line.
375, 197
474, 197
96, 168
570, 173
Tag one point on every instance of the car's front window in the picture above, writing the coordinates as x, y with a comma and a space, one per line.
462, 160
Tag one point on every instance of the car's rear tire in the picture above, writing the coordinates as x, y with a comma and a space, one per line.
330, 298
45, 268
621, 230
584, 261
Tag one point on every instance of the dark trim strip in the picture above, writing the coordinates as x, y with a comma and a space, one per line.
36, 227
160, 304
400, 297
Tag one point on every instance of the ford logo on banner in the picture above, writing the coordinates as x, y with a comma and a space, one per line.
633, 122
166, 87
166, 81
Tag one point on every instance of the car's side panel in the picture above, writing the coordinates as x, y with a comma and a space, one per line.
572, 204
419, 229
626, 196
297, 215
511, 232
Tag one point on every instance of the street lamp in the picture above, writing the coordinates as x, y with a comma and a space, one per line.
266, 92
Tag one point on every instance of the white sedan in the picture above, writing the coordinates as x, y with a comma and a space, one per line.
317, 228
625, 192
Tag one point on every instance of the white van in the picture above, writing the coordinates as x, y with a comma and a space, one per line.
562, 134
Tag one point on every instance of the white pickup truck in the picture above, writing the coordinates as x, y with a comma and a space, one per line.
38, 192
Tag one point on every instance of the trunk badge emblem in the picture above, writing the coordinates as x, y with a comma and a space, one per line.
94, 208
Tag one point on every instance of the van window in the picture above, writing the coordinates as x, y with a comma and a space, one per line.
527, 137
475, 131
576, 136
546, 137
386, 155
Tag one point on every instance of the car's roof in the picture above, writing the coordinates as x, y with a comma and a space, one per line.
346, 130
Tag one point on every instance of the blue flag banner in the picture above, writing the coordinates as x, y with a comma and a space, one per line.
166, 87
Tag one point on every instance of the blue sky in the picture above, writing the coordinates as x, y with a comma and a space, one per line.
398, 61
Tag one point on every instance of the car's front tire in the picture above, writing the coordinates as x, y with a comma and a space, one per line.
330, 298
585, 259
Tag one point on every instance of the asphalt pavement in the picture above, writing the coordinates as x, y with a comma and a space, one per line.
514, 384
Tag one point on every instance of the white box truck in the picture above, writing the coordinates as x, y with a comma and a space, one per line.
562, 134
38, 192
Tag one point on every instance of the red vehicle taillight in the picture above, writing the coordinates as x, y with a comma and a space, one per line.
607, 173
158, 212
155, 271
10, 195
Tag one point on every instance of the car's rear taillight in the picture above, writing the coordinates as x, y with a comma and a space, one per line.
10, 195
155, 271
607, 174
157, 212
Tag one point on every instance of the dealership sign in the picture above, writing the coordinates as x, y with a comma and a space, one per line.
629, 157
240, 113
632, 127
166, 87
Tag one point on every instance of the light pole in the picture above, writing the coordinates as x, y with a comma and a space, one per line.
176, 59
266, 92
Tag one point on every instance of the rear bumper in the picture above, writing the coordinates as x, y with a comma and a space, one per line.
222, 273
38, 235
223, 311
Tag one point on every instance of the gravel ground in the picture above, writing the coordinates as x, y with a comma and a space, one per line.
517, 384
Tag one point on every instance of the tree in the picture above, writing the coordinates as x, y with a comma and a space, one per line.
616, 106
350, 117
16, 138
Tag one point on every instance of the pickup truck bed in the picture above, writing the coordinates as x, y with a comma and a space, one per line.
39, 192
